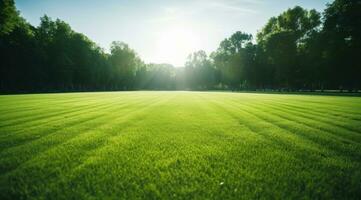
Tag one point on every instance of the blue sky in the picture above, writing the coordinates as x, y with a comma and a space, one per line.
162, 31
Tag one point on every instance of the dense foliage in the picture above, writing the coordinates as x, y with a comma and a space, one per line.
297, 50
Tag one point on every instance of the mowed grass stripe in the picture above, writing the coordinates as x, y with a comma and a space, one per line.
264, 128
39, 119
77, 148
333, 104
320, 112
274, 116
80, 119
58, 110
32, 148
336, 119
310, 121
184, 145
100, 106
92, 154
65, 103
282, 138
24, 105
151, 140
39, 110
322, 137
282, 116
136, 140
348, 128
351, 128
345, 108
290, 128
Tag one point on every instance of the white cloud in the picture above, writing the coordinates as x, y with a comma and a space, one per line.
227, 7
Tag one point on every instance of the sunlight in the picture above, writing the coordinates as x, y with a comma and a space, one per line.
191, 99
174, 45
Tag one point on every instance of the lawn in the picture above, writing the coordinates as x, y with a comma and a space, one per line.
179, 145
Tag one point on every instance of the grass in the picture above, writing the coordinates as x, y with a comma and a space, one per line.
179, 145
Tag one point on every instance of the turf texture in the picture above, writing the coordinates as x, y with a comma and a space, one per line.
179, 145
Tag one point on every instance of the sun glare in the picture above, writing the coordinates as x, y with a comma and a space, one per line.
174, 45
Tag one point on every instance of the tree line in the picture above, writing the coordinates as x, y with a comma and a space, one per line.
298, 50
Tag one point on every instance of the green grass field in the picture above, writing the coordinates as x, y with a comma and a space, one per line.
179, 145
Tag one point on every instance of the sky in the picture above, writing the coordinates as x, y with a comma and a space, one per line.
162, 31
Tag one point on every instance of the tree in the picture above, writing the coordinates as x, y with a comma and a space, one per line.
19, 58
342, 44
280, 40
294, 51
157, 77
9, 16
200, 73
232, 58
125, 63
